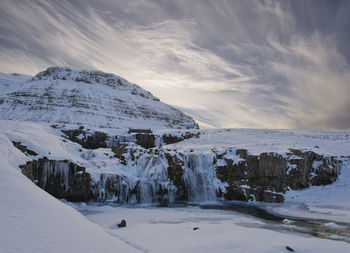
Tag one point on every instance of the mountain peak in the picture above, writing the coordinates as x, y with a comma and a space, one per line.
61, 95
86, 76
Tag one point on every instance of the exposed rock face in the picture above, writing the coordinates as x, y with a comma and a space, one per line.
24, 149
145, 140
62, 179
161, 175
311, 169
87, 140
96, 139
170, 139
175, 174
268, 176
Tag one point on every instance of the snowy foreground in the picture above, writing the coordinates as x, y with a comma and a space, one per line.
33, 221
160, 229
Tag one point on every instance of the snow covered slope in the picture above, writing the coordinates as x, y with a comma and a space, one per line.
61, 95
33, 221
256, 141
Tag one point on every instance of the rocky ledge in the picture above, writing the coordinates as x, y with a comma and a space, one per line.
158, 174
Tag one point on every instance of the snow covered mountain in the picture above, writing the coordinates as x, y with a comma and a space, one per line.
61, 95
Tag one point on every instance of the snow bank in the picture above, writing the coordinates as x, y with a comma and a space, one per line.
257, 141
33, 221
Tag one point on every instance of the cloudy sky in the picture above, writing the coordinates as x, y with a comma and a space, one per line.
242, 63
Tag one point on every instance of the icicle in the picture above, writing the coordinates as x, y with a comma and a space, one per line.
199, 177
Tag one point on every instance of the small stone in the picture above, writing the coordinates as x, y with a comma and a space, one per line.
122, 224
195, 228
289, 249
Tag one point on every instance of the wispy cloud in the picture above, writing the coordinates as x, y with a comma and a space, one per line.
227, 63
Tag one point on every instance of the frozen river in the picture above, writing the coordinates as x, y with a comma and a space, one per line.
223, 227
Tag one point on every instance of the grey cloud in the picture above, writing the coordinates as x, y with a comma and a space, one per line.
264, 64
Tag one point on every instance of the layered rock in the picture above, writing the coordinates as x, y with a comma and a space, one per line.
266, 177
62, 179
162, 175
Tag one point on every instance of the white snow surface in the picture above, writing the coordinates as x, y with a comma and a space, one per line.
31, 220
62, 95
159, 230
257, 141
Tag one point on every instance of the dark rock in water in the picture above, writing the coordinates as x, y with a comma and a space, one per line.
289, 249
195, 228
62, 179
122, 224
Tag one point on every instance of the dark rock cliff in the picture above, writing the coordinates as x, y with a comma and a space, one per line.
268, 176
62, 179
232, 175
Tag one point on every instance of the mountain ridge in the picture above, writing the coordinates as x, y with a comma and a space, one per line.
61, 95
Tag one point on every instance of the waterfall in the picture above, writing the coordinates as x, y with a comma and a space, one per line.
200, 178
154, 184
148, 181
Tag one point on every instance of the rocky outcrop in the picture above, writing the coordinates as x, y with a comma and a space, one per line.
87, 140
145, 138
266, 177
24, 149
161, 175
62, 179
175, 173
309, 168
170, 139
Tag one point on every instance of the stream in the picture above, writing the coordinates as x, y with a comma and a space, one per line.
313, 227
